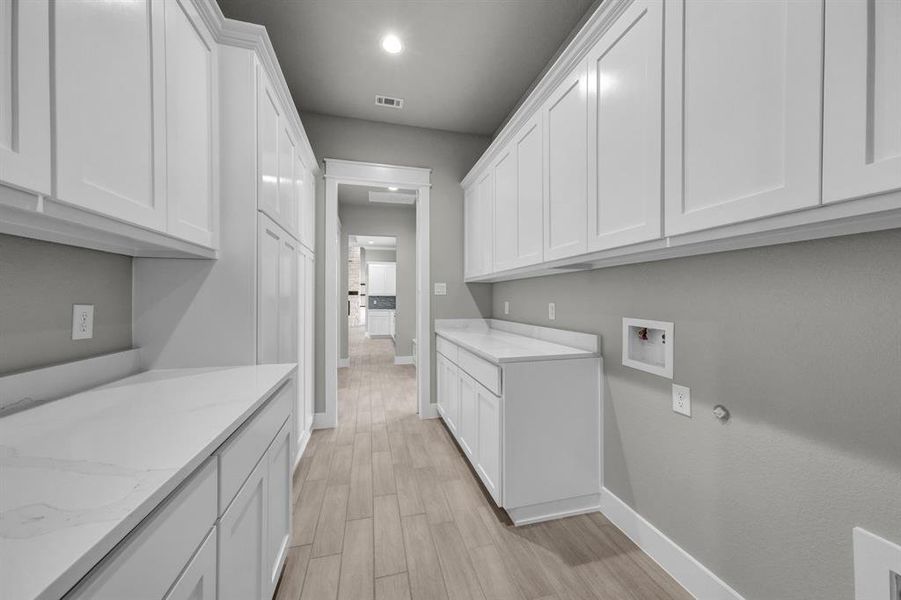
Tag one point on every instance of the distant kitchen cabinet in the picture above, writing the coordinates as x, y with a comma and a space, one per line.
382, 279
625, 129
378, 322
25, 95
742, 125
862, 100
565, 117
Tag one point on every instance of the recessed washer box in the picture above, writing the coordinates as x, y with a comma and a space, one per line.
648, 346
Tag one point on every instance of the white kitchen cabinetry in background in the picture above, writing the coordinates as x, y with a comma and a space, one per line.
382, 279
378, 322
625, 136
862, 100
25, 95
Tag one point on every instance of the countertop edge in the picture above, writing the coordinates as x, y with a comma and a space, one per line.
69, 578
576, 353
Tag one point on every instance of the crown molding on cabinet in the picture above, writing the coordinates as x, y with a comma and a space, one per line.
574, 53
254, 37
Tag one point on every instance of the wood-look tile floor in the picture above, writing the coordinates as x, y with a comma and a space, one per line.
386, 507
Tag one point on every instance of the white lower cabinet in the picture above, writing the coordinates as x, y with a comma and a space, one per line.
448, 391
243, 572
488, 425
198, 581
468, 424
378, 323
279, 464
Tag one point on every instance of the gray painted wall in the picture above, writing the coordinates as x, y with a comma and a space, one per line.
802, 343
450, 156
39, 283
387, 221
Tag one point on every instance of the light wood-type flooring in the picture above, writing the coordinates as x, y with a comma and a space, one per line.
386, 507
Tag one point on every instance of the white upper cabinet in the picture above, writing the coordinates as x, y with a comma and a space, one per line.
306, 203
478, 208
268, 133
110, 108
565, 116
518, 194
625, 74
25, 94
743, 96
382, 278
269, 264
287, 180
862, 102
191, 125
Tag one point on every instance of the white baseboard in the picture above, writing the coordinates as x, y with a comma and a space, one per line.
303, 438
682, 566
343, 363
322, 421
557, 509
431, 412
403, 360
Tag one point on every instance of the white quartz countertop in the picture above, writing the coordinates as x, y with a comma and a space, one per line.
78, 474
502, 347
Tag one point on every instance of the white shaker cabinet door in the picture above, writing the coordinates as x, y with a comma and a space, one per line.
198, 580
862, 99
110, 105
483, 220
287, 184
625, 74
743, 88
504, 234
467, 427
488, 419
309, 342
279, 460
25, 94
269, 251
566, 167
243, 560
191, 125
529, 193
288, 304
269, 115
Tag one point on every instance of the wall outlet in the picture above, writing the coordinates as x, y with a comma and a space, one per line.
682, 400
441, 289
551, 311
506, 307
82, 321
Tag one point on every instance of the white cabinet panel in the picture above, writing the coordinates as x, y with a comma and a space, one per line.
488, 464
625, 71
268, 132
110, 103
280, 461
743, 96
862, 99
448, 382
191, 124
566, 167
287, 184
25, 94
478, 216
243, 563
467, 429
268, 292
309, 341
530, 193
198, 581
288, 313
306, 204
506, 222
382, 279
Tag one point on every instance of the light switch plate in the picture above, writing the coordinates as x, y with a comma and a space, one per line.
441, 289
551, 311
82, 321
681, 400
506, 307
877, 567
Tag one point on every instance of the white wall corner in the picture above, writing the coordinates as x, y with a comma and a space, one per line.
343, 363
403, 360
697, 579
324, 421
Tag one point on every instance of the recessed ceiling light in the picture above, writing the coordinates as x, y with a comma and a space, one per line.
370, 241
393, 189
392, 44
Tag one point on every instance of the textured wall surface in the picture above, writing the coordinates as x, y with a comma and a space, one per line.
39, 283
802, 343
450, 156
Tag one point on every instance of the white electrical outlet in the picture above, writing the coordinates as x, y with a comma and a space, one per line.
682, 400
551, 311
82, 321
440, 289
506, 307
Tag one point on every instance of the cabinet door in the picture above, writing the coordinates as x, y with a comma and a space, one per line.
743, 87
300, 412
270, 240
470, 199
269, 115
110, 105
481, 220
467, 430
448, 381
308, 210
566, 167
625, 135
198, 580
243, 571
862, 99
25, 94
529, 194
309, 342
287, 186
488, 464
288, 311
440, 385
391, 279
505, 235
191, 125
279, 460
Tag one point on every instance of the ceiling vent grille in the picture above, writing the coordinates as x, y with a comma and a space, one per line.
389, 101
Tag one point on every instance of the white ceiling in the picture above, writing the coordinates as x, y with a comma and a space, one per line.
465, 65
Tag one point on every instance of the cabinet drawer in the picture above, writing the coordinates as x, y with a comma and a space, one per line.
147, 562
243, 450
486, 373
446, 348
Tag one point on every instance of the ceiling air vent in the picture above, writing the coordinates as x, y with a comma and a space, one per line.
389, 101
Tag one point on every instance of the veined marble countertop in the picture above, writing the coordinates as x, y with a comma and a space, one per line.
505, 341
78, 474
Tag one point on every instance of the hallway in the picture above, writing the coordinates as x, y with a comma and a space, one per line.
386, 507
